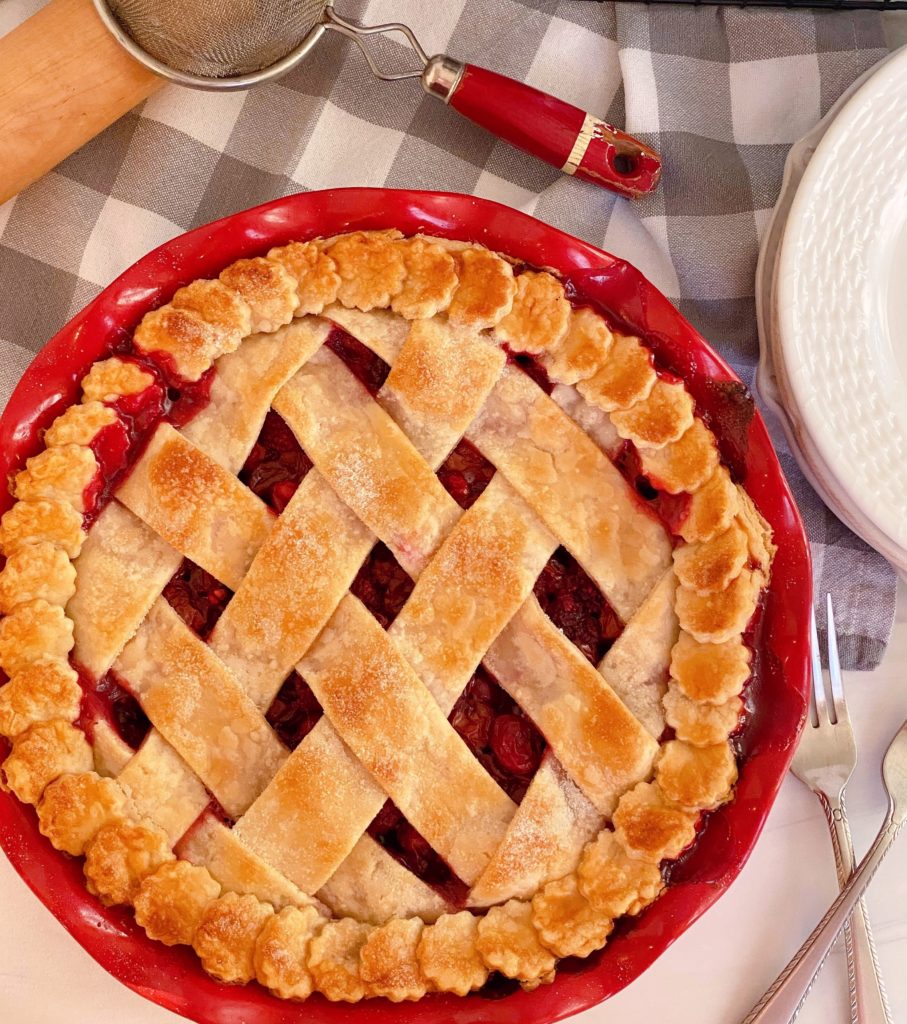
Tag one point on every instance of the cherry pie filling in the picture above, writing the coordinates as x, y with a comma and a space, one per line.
506, 742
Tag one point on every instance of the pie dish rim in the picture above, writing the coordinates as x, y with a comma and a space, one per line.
203, 252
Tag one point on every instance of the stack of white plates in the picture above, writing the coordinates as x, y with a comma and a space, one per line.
832, 305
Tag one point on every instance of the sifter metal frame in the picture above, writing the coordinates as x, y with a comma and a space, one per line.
230, 84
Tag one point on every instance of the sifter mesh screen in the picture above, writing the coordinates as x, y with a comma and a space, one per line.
218, 38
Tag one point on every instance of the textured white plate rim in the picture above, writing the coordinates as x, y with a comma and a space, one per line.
829, 341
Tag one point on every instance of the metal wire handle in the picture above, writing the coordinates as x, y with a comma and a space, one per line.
356, 32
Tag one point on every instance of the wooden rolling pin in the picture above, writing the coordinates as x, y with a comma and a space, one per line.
63, 79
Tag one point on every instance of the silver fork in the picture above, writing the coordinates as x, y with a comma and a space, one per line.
824, 761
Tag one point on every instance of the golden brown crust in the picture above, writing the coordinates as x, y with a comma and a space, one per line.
712, 508
685, 465
508, 942
565, 920
582, 350
707, 672
448, 955
80, 424
39, 571
219, 305
226, 936
33, 630
701, 724
282, 949
625, 379
389, 964
46, 689
191, 342
58, 474
710, 565
170, 903
614, 882
718, 616
114, 378
121, 856
314, 272
697, 778
75, 807
334, 960
44, 752
267, 288
485, 290
651, 828
371, 269
431, 278
31, 522
665, 415
539, 317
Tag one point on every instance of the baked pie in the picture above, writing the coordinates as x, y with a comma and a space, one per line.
378, 623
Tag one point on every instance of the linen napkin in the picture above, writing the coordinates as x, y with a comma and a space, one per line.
720, 92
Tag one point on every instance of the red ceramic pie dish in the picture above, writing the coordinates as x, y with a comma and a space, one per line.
172, 976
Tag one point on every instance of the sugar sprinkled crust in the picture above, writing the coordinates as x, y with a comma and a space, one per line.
75, 807
31, 522
721, 566
114, 378
389, 963
650, 827
566, 922
614, 882
281, 952
41, 754
44, 690
121, 856
226, 935
508, 942
448, 955
80, 424
171, 901
33, 630
39, 571
539, 317
334, 960
58, 474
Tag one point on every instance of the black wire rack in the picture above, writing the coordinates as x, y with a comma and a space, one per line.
815, 5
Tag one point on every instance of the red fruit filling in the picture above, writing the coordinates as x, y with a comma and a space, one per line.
531, 367
369, 369
276, 465
465, 474
408, 847
295, 711
382, 585
118, 446
108, 700
197, 597
500, 735
576, 606
671, 509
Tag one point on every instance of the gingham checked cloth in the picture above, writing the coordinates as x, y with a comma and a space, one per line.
720, 92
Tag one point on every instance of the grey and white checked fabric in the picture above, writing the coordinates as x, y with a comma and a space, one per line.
721, 92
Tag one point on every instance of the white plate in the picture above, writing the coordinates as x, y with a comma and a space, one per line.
841, 309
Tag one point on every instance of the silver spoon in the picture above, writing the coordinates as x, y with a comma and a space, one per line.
783, 1001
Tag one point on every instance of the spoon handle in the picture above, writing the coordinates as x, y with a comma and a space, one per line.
782, 1002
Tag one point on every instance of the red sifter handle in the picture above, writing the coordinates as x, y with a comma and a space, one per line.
548, 128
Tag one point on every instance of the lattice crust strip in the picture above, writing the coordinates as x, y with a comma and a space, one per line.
553, 875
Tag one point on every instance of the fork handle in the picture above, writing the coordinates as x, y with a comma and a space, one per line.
869, 1002
784, 999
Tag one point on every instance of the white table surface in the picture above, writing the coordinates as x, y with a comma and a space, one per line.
712, 975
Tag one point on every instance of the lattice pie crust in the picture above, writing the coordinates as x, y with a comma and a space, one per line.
296, 894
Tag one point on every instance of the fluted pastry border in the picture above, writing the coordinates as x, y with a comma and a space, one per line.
722, 566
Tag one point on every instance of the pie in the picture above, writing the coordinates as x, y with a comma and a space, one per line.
378, 622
